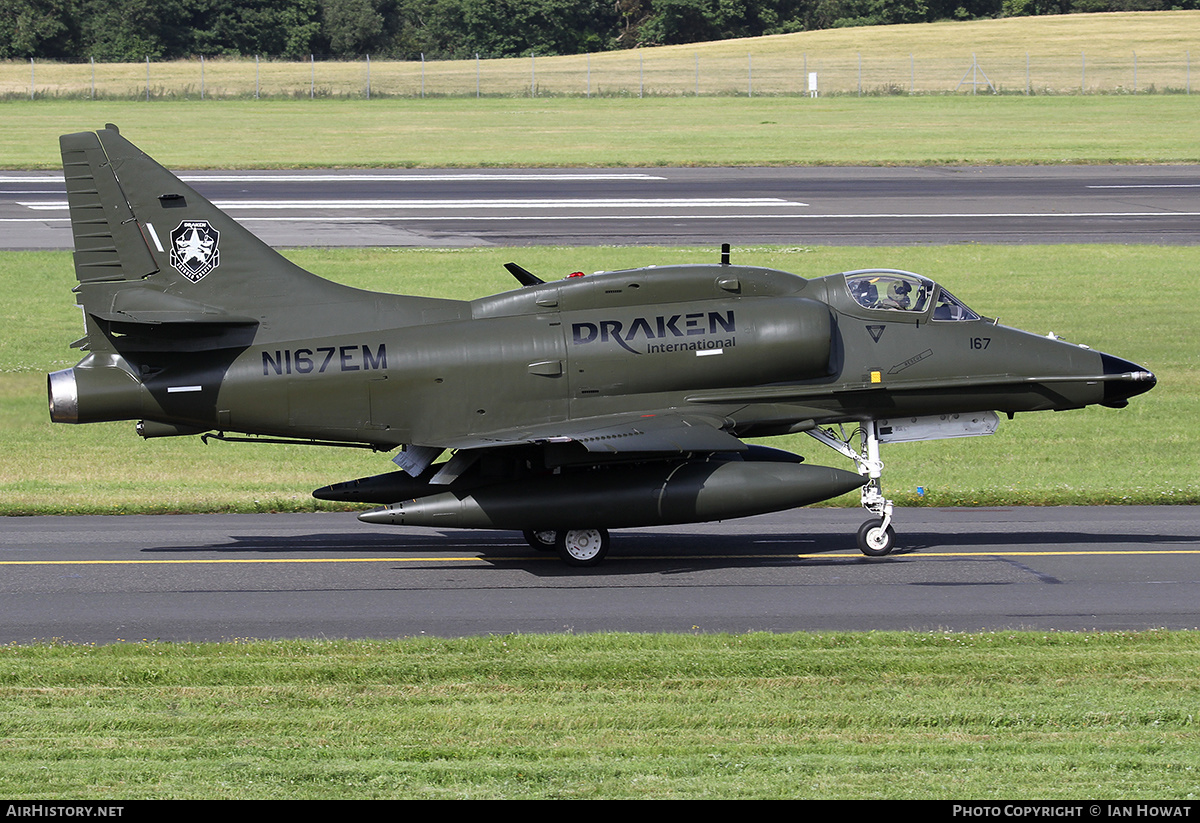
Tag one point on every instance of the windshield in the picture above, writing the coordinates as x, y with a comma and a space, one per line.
896, 291
906, 292
949, 308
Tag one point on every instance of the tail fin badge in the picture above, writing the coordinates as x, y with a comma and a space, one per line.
194, 251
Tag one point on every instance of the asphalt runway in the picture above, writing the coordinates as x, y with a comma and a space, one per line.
225, 577
670, 206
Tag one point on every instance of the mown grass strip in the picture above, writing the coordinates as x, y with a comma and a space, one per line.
1013, 715
566, 132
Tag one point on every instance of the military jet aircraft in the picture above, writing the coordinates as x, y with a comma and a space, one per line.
566, 408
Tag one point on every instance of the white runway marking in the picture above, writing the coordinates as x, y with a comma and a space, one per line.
470, 177
357, 205
384, 218
776, 216
1150, 186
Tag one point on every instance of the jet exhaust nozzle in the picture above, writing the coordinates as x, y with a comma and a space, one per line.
64, 396
99, 389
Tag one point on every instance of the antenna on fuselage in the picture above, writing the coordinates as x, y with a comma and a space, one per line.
524, 276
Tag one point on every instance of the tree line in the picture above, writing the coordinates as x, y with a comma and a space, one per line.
134, 30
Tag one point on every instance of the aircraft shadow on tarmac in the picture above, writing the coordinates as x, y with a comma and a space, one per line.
704, 551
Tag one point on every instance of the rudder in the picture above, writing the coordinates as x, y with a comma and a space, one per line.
108, 242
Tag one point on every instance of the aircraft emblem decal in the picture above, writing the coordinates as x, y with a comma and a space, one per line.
876, 332
194, 251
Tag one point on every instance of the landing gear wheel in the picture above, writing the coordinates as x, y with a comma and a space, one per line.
874, 540
582, 547
540, 539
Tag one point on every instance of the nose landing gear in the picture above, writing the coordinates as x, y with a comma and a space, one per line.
876, 537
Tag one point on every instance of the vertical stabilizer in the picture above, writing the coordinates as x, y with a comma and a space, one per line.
152, 252
134, 222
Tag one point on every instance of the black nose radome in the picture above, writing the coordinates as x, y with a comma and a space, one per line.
1125, 380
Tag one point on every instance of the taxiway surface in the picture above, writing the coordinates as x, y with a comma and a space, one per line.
221, 577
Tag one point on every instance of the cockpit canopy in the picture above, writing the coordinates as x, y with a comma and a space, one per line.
888, 290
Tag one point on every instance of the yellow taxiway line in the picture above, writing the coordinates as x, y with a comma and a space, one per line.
552, 556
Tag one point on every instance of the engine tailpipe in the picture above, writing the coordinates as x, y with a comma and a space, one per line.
99, 389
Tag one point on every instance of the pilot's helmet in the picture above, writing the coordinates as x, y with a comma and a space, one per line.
864, 292
898, 291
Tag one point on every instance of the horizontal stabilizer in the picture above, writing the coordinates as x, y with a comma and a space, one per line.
149, 306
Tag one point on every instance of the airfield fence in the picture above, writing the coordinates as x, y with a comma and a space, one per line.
659, 73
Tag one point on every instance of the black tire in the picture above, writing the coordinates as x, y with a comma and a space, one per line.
874, 540
541, 539
582, 547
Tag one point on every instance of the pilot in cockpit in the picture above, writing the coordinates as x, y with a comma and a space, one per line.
897, 295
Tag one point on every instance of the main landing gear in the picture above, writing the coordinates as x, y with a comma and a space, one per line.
876, 537
575, 547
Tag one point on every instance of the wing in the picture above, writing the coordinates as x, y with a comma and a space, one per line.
652, 434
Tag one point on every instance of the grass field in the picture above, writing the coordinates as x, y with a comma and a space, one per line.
1143, 454
984, 717
1115, 53
652, 132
